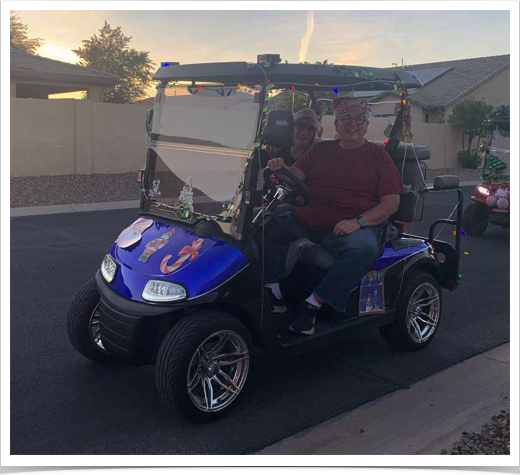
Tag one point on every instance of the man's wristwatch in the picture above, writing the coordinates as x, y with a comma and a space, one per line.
362, 222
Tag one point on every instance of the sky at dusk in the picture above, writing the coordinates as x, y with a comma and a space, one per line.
367, 38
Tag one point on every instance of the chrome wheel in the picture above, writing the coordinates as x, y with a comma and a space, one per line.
218, 371
95, 330
423, 312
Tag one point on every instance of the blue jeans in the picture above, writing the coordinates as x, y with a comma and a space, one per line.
354, 255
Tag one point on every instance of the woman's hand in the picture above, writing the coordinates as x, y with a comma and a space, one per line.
276, 163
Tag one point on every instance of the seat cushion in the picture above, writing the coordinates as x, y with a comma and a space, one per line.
318, 256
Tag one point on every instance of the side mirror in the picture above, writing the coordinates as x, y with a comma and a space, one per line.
149, 120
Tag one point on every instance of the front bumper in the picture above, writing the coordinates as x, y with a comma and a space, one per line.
133, 331
499, 216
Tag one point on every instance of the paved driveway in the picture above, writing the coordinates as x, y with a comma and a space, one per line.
64, 404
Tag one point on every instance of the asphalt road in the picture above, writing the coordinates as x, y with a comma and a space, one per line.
62, 403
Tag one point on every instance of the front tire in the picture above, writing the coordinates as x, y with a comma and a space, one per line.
475, 219
418, 313
83, 325
203, 364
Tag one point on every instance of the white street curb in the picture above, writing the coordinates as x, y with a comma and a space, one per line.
422, 420
73, 208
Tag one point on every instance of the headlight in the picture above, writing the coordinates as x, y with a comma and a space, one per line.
483, 190
161, 291
108, 268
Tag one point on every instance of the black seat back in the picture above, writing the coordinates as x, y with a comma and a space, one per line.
409, 160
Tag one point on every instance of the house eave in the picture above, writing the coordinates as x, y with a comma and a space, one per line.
61, 78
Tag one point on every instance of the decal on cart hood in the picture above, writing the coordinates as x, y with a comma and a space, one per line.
187, 252
153, 246
133, 233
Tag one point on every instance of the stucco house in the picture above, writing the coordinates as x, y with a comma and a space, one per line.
449, 82
446, 83
37, 77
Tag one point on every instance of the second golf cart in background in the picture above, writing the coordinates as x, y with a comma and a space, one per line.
491, 199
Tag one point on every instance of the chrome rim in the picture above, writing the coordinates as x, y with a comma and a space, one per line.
423, 312
218, 371
95, 330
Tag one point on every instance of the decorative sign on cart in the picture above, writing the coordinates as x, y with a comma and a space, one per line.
133, 233
186, 253
153, 246
372, 294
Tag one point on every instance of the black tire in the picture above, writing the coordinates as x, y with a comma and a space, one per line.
400, 333
180, 347
475, 219
79, 320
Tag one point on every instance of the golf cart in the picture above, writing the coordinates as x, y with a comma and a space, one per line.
491, 198
182, 287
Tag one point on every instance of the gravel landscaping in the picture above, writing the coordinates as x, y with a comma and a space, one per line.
71, 189
492, 440
464, 174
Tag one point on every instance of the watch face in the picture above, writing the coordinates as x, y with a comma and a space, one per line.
363, 222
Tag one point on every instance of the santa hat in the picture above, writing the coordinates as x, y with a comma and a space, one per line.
341, 104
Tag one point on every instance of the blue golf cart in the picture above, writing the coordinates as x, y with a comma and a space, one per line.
182, 286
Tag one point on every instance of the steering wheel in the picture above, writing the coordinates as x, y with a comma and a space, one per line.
297, 189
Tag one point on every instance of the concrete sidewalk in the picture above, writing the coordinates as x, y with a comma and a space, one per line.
422, 420
73, 208
84, 207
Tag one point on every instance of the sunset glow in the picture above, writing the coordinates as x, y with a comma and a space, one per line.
357, 37
58, 53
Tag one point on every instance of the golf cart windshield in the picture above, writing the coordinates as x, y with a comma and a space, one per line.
202, 136
206, 131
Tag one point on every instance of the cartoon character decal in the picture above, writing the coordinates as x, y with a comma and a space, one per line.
133, 233
153, 246
372, 294
186, 252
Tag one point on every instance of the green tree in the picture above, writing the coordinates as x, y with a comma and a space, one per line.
284, 101
109, 52
20, 40
470, 115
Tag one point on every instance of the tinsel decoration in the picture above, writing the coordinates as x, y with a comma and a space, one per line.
495, 167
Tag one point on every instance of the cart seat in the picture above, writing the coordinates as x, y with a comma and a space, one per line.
316, 255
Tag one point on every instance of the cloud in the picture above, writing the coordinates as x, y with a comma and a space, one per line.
304, 45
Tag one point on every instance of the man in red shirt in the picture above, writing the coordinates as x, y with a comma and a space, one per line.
354, 187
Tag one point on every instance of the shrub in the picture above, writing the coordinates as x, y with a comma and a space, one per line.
469, 160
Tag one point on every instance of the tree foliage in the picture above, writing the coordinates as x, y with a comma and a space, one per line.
109, 52
302, 100
20, 40
470, 115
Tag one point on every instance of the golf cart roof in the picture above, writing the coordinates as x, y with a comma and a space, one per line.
499, 121
312, 76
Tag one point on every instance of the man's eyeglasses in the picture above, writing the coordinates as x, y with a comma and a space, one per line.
301, 127
359, 120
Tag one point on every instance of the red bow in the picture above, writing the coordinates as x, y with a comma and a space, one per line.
192, 250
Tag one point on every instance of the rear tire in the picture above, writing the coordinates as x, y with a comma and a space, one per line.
475, 219
203, 364
83, 325
418, 313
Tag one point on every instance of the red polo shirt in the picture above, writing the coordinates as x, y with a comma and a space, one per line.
345, 183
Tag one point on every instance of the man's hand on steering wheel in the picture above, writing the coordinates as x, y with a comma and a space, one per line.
283, 173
